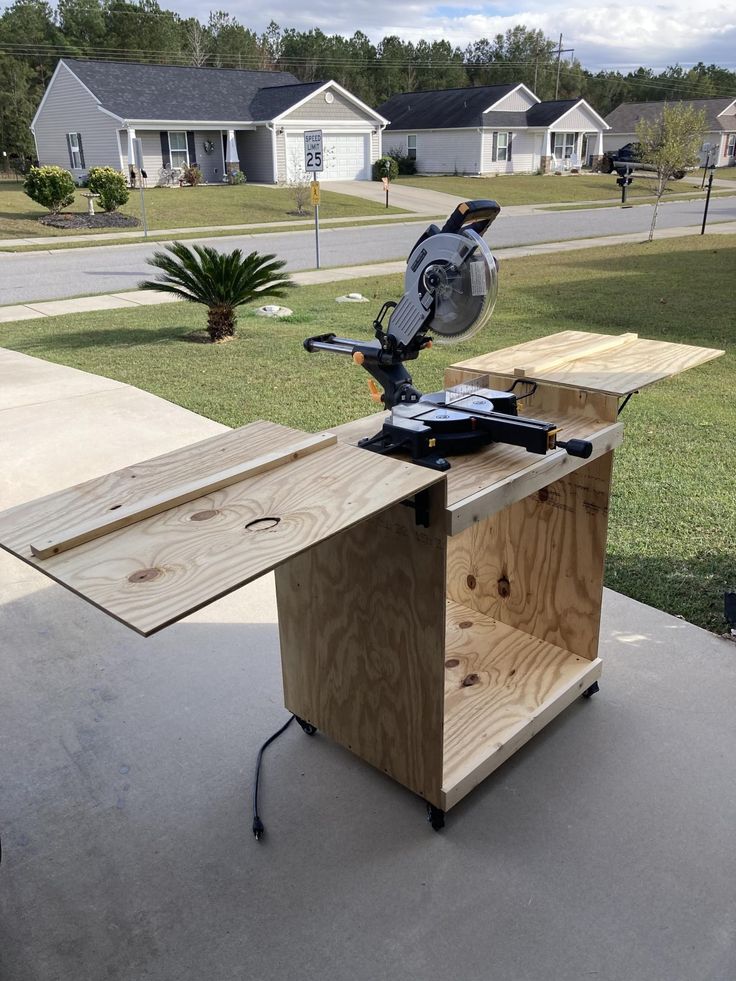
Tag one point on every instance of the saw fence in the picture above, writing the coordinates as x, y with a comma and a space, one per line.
430, 622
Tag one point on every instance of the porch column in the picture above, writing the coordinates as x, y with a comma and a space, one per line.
232, 164
598, 156
131, 156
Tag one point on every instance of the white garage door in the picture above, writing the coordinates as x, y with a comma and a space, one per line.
347, 156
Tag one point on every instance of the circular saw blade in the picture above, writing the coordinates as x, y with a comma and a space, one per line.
460, 272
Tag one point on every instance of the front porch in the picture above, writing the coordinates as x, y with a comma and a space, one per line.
218, 153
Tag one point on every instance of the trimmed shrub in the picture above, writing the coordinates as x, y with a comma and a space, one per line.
238, 177
51, 187
385, 167
406, 165
192, 175
110, 185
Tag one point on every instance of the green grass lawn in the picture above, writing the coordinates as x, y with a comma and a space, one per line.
515, 189
673, 518
725, 173
186, 207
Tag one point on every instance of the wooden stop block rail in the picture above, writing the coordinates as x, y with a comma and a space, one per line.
432, 640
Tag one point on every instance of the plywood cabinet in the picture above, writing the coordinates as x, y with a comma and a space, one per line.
501, 593
430, 622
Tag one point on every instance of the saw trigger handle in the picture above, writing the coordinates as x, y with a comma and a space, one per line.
577, 447
478, 213
374, 390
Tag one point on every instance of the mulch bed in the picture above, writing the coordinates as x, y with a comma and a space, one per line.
112, 219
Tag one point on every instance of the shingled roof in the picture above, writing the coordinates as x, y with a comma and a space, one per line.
625, 117
140, 91
441, 108
460, 108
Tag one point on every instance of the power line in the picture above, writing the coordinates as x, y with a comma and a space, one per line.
321, 60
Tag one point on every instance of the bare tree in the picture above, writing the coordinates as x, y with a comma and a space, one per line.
670, 143
197, 43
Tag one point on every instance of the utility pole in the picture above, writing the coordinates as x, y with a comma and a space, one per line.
560, 52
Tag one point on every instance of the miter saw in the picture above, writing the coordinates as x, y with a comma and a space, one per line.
450, 289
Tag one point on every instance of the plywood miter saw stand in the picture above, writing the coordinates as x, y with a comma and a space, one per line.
488, 503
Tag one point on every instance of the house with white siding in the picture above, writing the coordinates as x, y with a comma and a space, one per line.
492, 129
719, 145
224, 120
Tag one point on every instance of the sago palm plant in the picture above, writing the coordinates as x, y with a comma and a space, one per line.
222, 281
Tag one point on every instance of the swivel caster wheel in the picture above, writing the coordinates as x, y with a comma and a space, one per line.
306, 726
592, 690
436, 817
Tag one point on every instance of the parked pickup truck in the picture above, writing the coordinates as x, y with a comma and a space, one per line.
628, 158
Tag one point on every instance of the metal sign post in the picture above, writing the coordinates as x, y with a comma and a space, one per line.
138, 157
314, 164
706, 150
707, 199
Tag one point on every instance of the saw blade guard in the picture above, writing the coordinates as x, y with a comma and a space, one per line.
460, 273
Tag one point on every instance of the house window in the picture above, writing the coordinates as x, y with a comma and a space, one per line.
75, 150
564, 145
411, 147
502, 146
178, 149
731, 145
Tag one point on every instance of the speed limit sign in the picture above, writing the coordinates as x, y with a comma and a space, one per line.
313, 156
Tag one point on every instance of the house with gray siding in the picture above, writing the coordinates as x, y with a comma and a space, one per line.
719, 145
492, 129
224, 120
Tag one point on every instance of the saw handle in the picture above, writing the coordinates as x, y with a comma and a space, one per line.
478, 213
576, 447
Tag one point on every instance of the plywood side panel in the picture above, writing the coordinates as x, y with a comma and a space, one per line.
538, 564
362, 625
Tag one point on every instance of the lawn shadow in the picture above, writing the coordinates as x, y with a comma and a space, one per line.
108, 337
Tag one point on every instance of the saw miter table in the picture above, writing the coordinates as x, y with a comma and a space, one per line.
438, 600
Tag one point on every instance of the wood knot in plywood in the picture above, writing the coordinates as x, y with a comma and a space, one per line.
465, 624
203, 515
452, 662
145, 575
469, 680
543, 494
471, 581
504, 587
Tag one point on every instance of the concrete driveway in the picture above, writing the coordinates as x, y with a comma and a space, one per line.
603, 849
419, 199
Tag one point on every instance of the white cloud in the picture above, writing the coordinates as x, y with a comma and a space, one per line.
611, 35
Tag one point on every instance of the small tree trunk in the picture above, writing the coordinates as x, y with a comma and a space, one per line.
220, 323
661, 185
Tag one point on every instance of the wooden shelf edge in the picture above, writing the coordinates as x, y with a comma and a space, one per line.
542, 472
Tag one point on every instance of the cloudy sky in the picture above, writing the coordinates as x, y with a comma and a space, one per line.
621, 35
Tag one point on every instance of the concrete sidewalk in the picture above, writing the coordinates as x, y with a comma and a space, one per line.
133, 298
603, 849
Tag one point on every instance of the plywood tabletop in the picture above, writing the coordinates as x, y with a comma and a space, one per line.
479, 484
612, 364
164, 567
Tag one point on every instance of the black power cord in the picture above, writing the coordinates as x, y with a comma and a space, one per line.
258, 828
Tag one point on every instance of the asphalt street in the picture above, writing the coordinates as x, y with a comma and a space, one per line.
103, 269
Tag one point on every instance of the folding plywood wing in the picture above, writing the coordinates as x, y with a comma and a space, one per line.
151, 543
